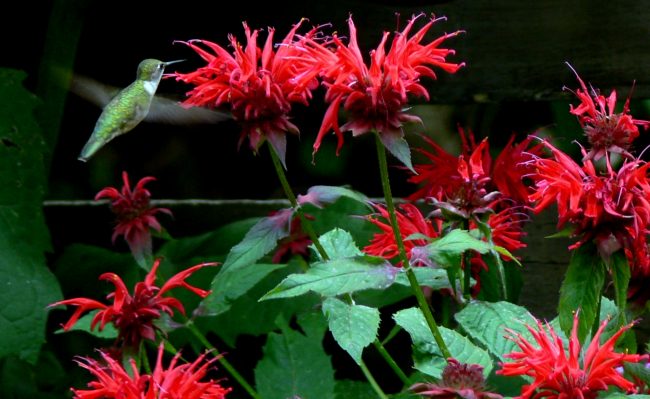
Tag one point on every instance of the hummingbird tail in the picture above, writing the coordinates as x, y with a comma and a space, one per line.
92, 146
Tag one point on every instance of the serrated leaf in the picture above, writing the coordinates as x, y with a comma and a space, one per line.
427, 277
398, 146
337, 277
581, 289
26, 284
260, 239
339, 244
353, 326
83, 324
486, 322
447, 250
321, 195
247, 316
426, 354
295, 364
229, 284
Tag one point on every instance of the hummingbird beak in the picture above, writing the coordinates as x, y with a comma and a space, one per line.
172, 62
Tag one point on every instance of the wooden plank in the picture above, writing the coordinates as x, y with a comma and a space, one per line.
515, 50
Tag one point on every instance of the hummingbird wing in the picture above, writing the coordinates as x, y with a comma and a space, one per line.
162, 110
91, 90
166, 110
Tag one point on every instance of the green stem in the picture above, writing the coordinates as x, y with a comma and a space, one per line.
391, 362
413, 281
305, 223
467, 270
222, 360
372, 381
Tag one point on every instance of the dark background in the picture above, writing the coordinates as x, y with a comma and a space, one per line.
515, 53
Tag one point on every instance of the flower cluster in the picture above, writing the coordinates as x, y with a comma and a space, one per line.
135, 215
468, 187
459, 380
577, 373
606, 130
609, 207
410, 221
260, 84
184, 380
375, 96
134, 315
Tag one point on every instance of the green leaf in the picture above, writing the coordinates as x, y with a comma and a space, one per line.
349, 389
398, 146
447, 250
427, 356
229, 284
339, 244
353, 326
247, 316
620, 272
321, 195
485, 323
83, 324
639, 371
619, 395
427, 276
26, 284
346, 214
581, 289
260, 239
337, 277
211, 244
491, 289
295, 364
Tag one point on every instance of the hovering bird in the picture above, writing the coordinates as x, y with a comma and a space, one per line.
125, 109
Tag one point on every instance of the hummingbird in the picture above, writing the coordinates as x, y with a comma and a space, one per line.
125, 109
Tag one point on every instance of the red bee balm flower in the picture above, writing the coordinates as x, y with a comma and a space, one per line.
410, 222
134, 315
459, 380
176, 381
135, 216
611, 208
260, 85
558, 376
467, 178
375, 96
606, 130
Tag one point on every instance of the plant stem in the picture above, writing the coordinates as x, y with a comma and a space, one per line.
372, 381
391, 362
306, 224
222, 360
413, 281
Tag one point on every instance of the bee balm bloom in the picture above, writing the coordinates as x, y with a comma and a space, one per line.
606, 130
178, 380
260, 85
135, 216
375, 96
561, 374
133, 315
